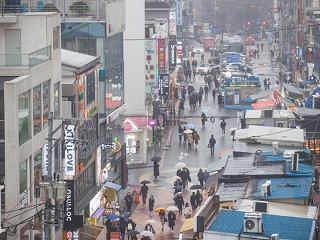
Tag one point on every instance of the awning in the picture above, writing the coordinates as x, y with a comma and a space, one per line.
264, 104
113, 186
97, 214
187, 225
213, 179
112, 176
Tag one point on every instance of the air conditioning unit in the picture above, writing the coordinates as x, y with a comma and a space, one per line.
252, 223
282, 124
295, 162
266, 189
275, 236
267, 113
260, 206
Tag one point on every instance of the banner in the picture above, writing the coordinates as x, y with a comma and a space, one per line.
161, 55
45, 163
68, 223
179, 12
172, 24
172, 54
163, 84
69, 153
150, 62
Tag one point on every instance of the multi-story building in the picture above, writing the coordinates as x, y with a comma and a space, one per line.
30, 88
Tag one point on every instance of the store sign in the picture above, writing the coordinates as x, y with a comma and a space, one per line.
68, 223
161, 55
163, 84
179, 49
98, 164
179, 12
45, 161
95, 203
150, 63
172, 54
172, 24
111, 194
69, 154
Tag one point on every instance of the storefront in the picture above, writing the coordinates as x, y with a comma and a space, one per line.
237, 92
135, 133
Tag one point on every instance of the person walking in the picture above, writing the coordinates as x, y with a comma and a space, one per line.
159, 137
200, 99
223, 127
200, 176
206, 91
180, 129
143, 192
194, 71
181, 107
185, 135
268, 83
149, 228
187, 211
122, 227
155, 169
183, 93
131, 225
199, 198
220, 98
151, 204
261, 46
212, 142
108, 226
203, 119
178, 185
176, 94
193, 201
171, 220
258, 53
202, 58
180, 202
206, 176
265, 84
162, 216
196, 138
214, 94
129, 200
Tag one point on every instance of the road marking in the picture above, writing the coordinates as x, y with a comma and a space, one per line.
182, 155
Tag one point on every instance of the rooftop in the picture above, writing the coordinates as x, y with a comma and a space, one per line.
293, 228
229, 192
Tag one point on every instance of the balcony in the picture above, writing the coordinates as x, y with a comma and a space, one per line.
25, 61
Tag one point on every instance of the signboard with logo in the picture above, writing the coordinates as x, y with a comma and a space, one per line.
68, 223
161, 55
45, 163
114, 235
172, 24
172, 54
111, 194
163, 84
150, 62
233, 58
179, 49
69, 153
179, 12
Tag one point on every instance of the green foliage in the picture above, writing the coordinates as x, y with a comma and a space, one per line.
79, 8
49, 8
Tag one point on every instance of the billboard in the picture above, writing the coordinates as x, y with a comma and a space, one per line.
163, 84
69, 153
68, 223
179, 12
150, 63
161, 55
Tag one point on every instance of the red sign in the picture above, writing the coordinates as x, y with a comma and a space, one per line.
114, 235
161, 55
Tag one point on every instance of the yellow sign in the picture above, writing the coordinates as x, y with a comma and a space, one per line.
116, 147
111, 194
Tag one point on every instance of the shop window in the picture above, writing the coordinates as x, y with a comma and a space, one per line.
23, 179
24, 117
46, 102
90, 88
37, 112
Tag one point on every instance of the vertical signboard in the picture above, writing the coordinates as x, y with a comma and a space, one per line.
161, 55
98, 164
179, 13
68, 223
172, 24
172, 54
163, 84
69, 154
150, 62
45, 163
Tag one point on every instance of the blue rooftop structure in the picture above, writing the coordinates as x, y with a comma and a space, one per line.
298, 187
293, 228
304, 170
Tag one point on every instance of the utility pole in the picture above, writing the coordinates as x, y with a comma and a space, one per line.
280, 49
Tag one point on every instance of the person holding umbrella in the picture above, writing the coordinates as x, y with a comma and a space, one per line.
144, 191
155, 169
171, 220
131, 226
187, 211
149, 228
151, 204
180, 202
162, 216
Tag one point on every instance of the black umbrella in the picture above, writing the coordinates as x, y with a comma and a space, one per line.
223, 118
194, 94
183, 122
132, 232
156, 158
145, 181
177, 187
194, 187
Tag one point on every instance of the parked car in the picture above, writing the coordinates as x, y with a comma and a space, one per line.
250, 40
204, 69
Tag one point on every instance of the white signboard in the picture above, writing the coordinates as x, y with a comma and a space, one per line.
98, 164
179, 12
69, 153
95, 203
45, 161
172, 24
150, 62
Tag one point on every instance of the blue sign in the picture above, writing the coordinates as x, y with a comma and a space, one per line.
233, 58
40, 5
258, 21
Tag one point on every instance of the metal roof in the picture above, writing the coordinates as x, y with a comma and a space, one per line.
77, 61
157, 5
229, 192
293, 228
305, 112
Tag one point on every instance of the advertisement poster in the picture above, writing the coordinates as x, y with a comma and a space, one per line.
161, 55
150, 63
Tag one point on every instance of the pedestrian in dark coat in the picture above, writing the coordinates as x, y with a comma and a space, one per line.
206, 90
220, 99
129, 200
180, 133
212, 142
176, 93
200, 176
122, 227
184, 178
177, 184
143, 192
206, 176
203, 119
180, 202
214, 94
193, 201
108, 226
199, 198
151, 204
131, 225
171, 220
155, 169
223, 127
265, 84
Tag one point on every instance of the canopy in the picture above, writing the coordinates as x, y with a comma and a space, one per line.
309, 101
264, 104
113, 186
98, 213
187, 225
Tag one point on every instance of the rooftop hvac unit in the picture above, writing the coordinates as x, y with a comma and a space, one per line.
282, 124
267, 113
275, 236
252, 223
295, 162
266, 189
260, 206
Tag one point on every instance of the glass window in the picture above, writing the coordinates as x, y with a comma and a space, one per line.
56, 38
37, 172
24, 117
23, 174
46, 102
37, 126
90, 88
56, 102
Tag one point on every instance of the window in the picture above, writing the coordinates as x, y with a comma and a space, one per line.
37, 125
46, 102
24, 117
37, 172
56, 38
23, 176
56, 101
90, 88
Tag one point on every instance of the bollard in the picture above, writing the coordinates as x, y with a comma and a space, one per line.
137, 199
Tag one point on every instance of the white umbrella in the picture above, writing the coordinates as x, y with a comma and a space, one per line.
147, 234
232, 129
188, 131
151, 221
172, 208
180, 165
176, 177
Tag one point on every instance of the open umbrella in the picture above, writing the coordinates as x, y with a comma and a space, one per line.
132, 232
177, 187
190, 84
190, 125
194, 93
180, 165
194, 187
232, 129
112, 216
176, 177
145, 181
156, 158
172, 208
188, 131
150, 221
147, 234
125, 214
183, 122
158, 209
204, 110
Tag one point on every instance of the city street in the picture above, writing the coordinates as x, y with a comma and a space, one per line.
194, 158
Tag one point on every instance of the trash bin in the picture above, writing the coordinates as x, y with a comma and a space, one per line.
137, 199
